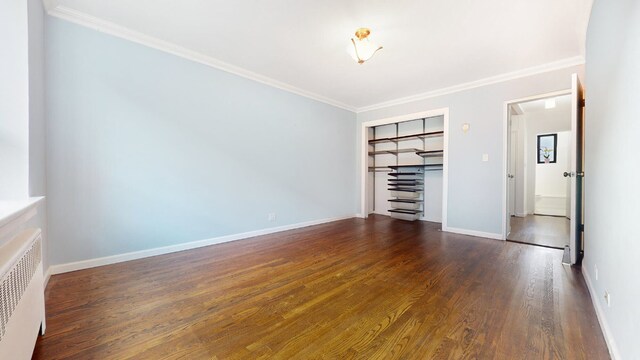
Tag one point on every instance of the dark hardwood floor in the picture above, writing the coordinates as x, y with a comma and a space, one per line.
540, 230
366, 289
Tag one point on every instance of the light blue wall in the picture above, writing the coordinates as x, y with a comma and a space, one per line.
612, 169
146, 149
475, 187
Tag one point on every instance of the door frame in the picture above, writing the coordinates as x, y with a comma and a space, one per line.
506, 133
364, 155
512, 202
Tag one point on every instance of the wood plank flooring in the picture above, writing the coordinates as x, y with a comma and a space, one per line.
353, 289
540, 230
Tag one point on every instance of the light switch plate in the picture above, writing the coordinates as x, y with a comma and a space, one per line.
485, 157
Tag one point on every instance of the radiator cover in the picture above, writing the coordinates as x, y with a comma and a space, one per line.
21, 295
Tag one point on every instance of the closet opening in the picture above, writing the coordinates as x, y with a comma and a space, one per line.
404, 172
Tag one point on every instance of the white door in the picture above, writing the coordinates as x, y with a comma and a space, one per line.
576, 174
512, 172
509, 177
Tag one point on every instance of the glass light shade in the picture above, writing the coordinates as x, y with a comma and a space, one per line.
365, 49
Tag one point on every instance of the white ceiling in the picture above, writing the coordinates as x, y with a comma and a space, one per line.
428, 44
563, 103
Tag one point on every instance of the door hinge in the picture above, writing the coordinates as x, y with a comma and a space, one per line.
582, 102
582, 227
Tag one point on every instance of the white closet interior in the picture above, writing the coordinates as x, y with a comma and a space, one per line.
405, 162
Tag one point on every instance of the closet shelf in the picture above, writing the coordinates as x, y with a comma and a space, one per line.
413, 166
406, 173
407, 137
388, 168
432, 153
379, 169
405, 211
409, 201
412, 190
405, 183
394, 152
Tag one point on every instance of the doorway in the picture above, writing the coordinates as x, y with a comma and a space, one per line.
543, 152
539, 156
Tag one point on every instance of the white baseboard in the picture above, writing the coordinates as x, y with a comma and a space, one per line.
550, 211
474, 233
604, 325
113, 259
433, 220
47, 276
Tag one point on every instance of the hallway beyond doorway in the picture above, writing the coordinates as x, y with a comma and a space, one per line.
543, 230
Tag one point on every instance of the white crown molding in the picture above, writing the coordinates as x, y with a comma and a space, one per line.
556, 65
55, 9
110, 28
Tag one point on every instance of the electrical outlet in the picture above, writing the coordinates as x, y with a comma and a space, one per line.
271, 216
596, 271
485, 157
607, 298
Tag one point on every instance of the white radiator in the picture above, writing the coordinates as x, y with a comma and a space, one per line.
22, 314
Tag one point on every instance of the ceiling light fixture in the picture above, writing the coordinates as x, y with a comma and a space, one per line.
550, 103
363, 49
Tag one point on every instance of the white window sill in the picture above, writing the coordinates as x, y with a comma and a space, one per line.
12, 210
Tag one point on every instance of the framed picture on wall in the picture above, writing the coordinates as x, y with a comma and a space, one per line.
547, 148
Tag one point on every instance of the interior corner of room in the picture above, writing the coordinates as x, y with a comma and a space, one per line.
175, 183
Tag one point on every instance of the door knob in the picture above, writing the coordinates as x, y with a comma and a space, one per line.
566, 174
